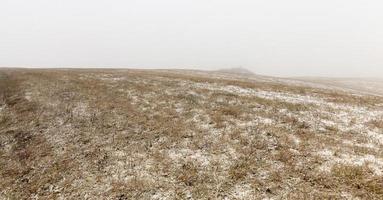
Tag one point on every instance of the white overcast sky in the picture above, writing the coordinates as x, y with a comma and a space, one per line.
272, 37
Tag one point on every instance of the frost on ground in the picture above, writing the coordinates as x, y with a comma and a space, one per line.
147, 134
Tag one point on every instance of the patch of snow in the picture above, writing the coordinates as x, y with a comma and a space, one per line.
375, 137
374, 163
295, 139
28, 96
81, 110
110, 78
354, 143
185, 154
242, 191
267, 121
326, 153
161, 195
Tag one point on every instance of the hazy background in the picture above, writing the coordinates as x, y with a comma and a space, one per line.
273, 37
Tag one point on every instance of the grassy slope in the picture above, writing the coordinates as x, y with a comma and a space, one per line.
123, 134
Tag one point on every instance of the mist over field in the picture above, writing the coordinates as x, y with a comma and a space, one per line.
281, 38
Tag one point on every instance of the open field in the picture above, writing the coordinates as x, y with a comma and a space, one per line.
173, 134
365, 85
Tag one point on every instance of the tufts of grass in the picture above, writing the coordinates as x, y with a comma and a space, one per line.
376, 123
360, 179
188, 174
239, 170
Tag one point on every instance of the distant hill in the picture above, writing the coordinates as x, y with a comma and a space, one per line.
237, 70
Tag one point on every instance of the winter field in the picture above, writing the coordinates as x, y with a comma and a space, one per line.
176, 134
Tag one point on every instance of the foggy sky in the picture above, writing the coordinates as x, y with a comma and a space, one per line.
272, 37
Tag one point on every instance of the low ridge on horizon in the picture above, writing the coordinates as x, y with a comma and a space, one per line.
237, 70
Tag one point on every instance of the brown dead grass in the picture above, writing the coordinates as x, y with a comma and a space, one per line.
136, 134
376, 123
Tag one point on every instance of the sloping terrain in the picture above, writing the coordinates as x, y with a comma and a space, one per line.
363, 85
163, 134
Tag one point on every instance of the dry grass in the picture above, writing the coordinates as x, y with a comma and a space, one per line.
136, 134
376, 123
